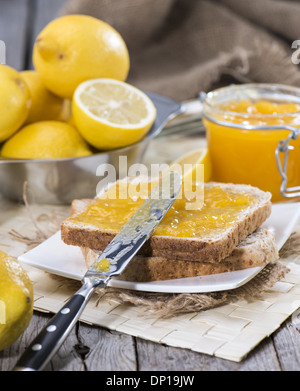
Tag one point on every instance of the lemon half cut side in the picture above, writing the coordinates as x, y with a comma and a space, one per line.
189, 164
111, 114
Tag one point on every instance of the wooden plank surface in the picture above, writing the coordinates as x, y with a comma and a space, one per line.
90, 348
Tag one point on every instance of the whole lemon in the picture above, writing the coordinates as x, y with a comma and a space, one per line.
45, 105
16, 299
46, 140
15, 101
75, 48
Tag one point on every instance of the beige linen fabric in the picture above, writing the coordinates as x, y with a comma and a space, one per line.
181, 47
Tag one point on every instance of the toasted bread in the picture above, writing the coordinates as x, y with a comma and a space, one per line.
209, 249
257, 249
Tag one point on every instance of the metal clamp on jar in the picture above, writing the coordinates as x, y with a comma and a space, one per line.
284, 147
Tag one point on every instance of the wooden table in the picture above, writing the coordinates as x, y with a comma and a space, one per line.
92, 348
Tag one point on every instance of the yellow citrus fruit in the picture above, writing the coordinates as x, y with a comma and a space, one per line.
111, 114
188, 163
16, 300
70, 121
15, 101
66, 113
45, 105
75, 48
46, 140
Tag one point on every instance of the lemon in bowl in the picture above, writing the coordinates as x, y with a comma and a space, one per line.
75, 48
45, 105
111, 114
15, 101
46, 140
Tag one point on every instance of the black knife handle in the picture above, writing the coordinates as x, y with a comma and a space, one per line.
52, 336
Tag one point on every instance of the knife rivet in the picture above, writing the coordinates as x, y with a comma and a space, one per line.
51, 328
65, 311
36, 347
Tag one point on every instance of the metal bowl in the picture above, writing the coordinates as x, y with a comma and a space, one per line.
59, 181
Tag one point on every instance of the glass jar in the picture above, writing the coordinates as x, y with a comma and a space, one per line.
252, 134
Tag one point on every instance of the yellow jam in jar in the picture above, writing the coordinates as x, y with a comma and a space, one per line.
246, 156
220, 210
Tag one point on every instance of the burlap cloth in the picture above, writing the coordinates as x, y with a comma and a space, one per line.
181, 47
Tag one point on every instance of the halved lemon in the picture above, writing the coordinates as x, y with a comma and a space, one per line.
190, 163
111, 114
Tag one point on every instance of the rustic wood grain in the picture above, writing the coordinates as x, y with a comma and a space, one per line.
66, 358
287, 345
152, 355
109, 350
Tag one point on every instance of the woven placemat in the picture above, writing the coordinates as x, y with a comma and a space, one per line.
225, 324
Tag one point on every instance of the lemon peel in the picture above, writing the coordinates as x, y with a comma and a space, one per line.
16, 292
45, 105
46, 140
15, 101
75, 48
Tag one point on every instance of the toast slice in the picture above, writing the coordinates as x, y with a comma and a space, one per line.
212, 248
257, 249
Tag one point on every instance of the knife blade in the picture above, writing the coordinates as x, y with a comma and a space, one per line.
110, 263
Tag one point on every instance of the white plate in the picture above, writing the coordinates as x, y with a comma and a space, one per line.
58, 258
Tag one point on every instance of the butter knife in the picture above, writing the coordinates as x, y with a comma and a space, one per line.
112, 261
